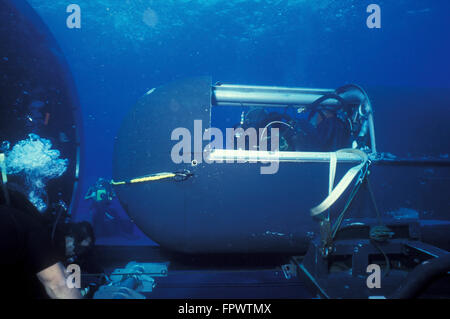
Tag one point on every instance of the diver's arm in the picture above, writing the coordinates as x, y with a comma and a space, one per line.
90, 193
54, 280
89, 197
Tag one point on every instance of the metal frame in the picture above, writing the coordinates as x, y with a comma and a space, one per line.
268, 156
314, 268
270, 96
273, 96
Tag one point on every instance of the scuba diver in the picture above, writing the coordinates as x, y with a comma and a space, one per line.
332, 132
105, 219
320, 131
34, 267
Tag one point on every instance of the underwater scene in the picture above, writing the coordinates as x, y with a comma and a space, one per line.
213, 149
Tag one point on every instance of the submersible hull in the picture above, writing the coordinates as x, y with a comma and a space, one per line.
232, 207
224, 207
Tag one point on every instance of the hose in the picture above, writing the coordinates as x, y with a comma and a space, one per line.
422, 277
369, 110
314, 105
271, 123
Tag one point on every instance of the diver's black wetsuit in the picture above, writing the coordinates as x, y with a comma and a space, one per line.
300, 134
332, 134
25, 250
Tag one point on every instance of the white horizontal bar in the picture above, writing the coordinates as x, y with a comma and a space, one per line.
267, 156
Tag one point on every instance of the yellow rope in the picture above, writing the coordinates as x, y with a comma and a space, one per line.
117, 183
154, 177
149, 178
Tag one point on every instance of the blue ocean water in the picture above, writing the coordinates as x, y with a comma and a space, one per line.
125, 48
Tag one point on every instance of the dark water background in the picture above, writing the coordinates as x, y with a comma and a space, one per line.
125, 48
